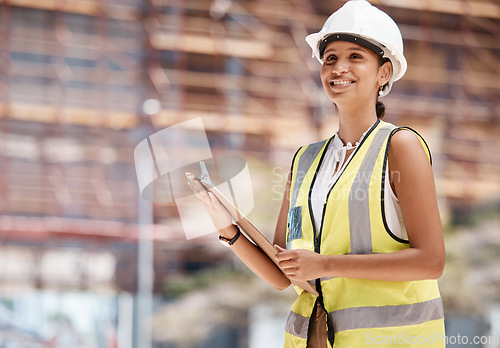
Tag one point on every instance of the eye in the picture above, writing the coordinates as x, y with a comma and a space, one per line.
356, 56
330, 58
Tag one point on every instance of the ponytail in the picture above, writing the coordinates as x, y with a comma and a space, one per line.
380, 107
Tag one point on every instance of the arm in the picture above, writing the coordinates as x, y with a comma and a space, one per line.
414, 186
251, 255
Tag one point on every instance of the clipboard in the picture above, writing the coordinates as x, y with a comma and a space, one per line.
246, 227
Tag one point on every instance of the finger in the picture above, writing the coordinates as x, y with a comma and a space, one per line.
290, 274
287, 268
193, 188
190, 177
213, 199
202, 193
287, 265
196, 190
203, 198
285, 255
192, 183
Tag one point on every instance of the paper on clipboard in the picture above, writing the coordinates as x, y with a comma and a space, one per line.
247, 228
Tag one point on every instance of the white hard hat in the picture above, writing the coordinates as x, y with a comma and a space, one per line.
360, 22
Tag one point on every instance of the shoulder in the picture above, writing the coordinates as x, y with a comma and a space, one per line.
407, 147
407, 139
410, 167
404, 139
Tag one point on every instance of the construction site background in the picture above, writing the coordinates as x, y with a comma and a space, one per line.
86, 262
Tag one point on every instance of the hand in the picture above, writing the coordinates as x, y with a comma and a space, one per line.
299, 264
219, 215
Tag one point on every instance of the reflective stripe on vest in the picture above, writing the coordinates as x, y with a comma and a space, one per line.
359, 221
354, 223
305, 161
297, 325
387, 316
372, 317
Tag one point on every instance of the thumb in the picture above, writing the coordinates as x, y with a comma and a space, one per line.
280, 249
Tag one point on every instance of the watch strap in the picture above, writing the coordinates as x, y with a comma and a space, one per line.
230, 242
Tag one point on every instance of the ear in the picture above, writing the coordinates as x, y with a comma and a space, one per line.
385, 73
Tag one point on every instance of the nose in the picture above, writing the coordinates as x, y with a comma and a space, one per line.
340, 68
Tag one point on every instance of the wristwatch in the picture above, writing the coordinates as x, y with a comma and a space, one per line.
229, 242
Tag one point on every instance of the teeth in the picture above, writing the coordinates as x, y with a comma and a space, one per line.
340, 82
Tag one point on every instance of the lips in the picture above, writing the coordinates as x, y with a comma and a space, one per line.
341, 82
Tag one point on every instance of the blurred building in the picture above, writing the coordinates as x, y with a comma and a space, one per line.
83, 81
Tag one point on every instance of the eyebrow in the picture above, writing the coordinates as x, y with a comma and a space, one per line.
349, 49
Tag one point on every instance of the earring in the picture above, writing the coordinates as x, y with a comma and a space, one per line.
380, 91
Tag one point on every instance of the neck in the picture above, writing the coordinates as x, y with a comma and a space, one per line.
354, 121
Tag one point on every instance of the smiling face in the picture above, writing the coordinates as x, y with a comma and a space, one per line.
351, 72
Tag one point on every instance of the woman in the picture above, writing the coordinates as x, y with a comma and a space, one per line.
359, 218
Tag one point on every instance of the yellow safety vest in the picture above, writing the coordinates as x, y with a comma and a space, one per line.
360, 312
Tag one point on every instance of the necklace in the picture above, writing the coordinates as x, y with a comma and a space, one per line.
340, 153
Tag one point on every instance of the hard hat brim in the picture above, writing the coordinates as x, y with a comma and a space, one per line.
349, 38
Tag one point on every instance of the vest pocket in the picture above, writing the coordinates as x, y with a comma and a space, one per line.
294, 223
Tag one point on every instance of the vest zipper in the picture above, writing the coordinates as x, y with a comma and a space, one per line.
317, 239
317, 236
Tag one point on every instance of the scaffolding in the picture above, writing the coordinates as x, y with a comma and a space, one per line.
75, 74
